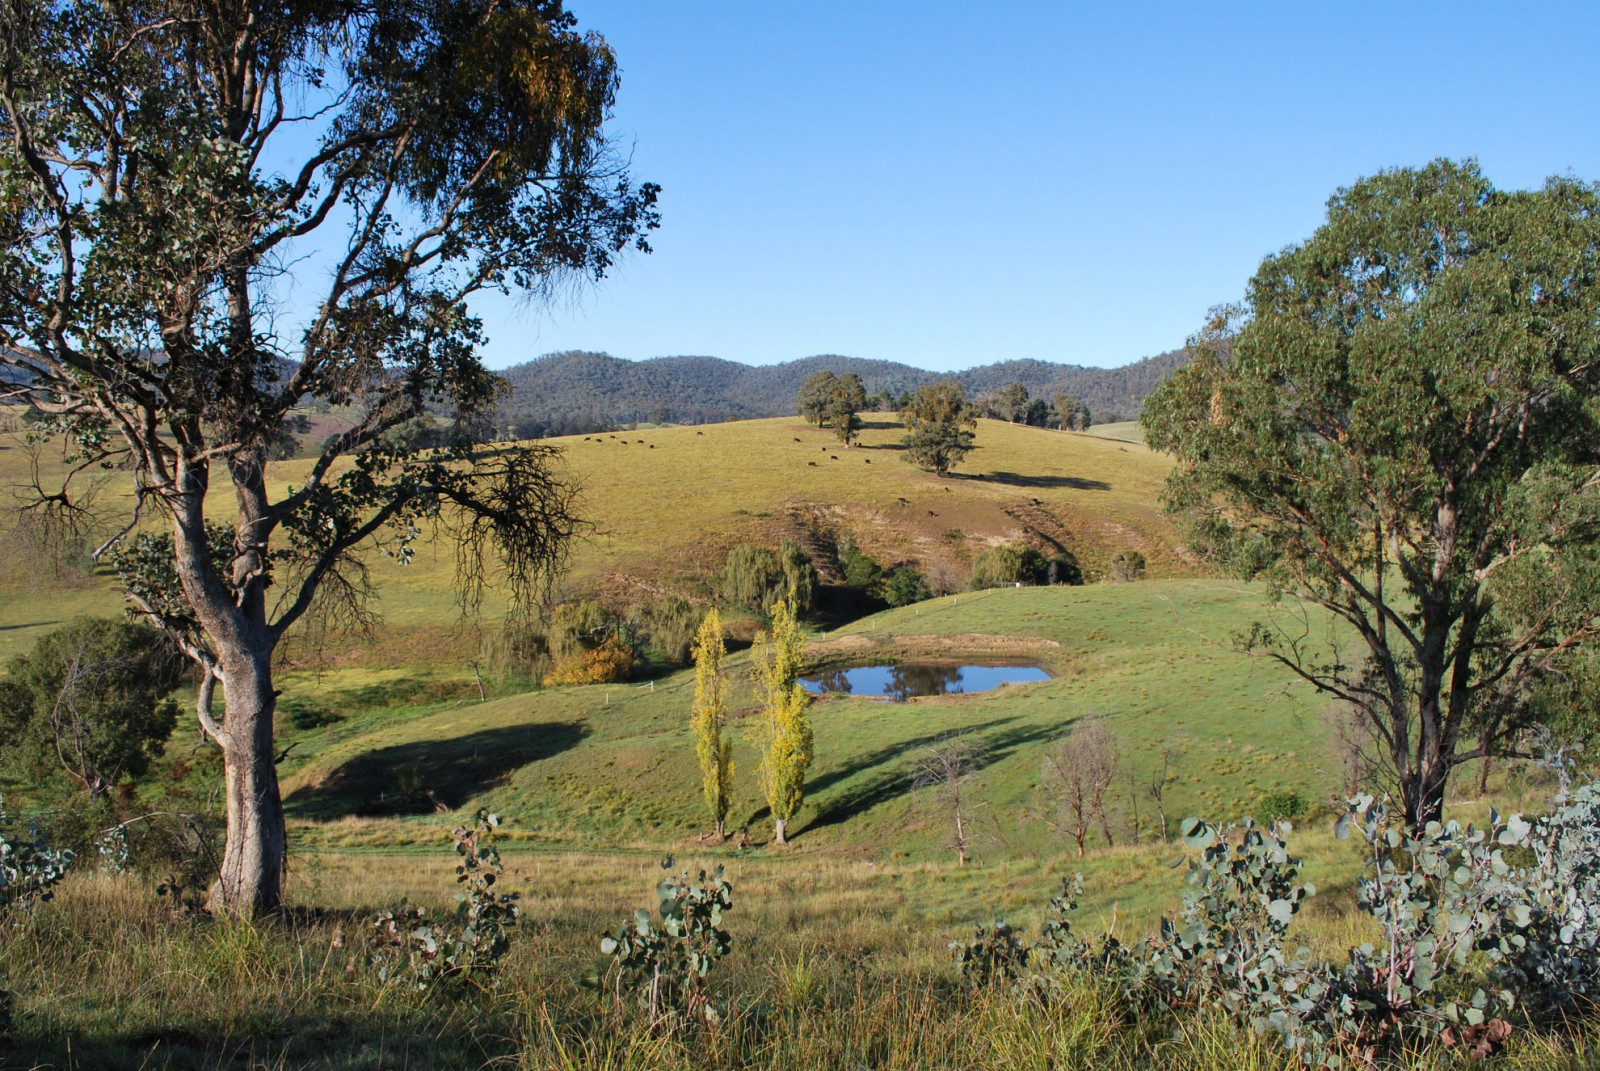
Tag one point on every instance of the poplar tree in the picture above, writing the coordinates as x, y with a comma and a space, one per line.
783, 728
709, 711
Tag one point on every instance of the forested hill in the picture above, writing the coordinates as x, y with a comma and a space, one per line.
563, 393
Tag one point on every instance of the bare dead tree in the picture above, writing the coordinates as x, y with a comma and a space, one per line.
947, 768
1156, 790
1356, 747
1100, 757
1077, 772
1135, 822
69, 729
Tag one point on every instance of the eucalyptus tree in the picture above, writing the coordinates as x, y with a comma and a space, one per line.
848, 398
213, 212
938, 426
816, 396
1399, 426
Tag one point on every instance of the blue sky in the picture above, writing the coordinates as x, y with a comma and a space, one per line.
953, 184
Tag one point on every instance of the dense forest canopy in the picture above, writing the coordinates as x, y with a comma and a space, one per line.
577, 392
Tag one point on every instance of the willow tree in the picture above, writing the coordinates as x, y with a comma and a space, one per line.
1401, 426
706, 717
782, 728
212, 213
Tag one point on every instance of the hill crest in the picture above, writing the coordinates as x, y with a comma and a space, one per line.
578, 391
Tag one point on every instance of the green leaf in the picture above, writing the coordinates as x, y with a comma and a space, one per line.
1197, 833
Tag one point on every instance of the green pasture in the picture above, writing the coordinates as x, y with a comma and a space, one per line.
668, 505
1127, 431
613, 765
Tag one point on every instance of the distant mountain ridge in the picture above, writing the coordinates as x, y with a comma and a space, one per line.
577, 391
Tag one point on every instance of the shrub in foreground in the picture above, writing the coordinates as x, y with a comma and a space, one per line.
407, 947
1480, 929
30, 869
662, 962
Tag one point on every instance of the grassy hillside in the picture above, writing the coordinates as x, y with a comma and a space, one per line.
669, 502
384, 733
614, 765
1127, 431
840, 940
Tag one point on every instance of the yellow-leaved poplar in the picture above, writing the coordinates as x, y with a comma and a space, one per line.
783, 728
706, 718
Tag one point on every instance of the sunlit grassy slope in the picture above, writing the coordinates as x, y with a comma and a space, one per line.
668, 503
385, 735
1127, 431
614, 765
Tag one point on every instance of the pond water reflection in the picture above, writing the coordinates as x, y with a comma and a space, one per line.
904, 680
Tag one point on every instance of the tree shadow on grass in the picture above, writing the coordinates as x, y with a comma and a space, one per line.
1018, 480
27, 624
889, 784
425, 776
998, 737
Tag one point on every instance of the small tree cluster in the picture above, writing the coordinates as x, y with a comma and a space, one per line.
756, 578
1008, 564
590, 644
584, 641
1013, 403
830, 400
610, 663
1018, 563
1069, 414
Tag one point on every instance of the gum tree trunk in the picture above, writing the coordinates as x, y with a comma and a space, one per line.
251, 879
238, 646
